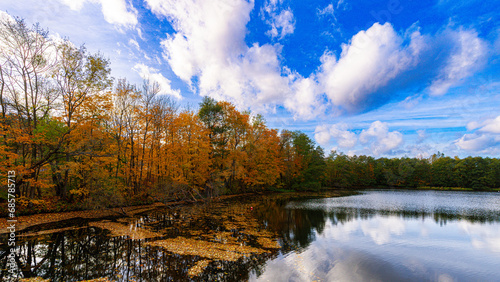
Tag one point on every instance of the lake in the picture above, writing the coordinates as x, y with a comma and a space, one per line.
377, 235
395, 236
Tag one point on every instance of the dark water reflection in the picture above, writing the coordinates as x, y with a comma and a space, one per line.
376, 236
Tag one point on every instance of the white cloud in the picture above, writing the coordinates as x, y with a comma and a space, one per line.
146, 72
116, 12
422, 135
282, 24
469, 56
371, 59
210, 45
134, 43
304, 101
486, 139
343, 137
491, 126
328, 10
382, 140
281, 21
418, 150
475, 142
342, 4
74, 4
209, 53
377, 139
378, 63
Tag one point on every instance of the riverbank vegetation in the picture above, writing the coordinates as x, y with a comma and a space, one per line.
77, 138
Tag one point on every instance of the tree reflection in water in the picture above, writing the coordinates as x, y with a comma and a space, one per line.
84, 252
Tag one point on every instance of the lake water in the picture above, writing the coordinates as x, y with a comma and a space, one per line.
382, 235
395, 236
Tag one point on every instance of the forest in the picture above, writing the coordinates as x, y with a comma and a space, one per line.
77, 138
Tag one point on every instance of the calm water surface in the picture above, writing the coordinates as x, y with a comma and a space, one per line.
396, 236
374, 236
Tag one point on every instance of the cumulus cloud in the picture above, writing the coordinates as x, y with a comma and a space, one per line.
381, 139
209, 45
151, 73
117, 12
378, 65
485, 139
377, 139
476, 142
304, 100
343, 137
371, 59
208, 51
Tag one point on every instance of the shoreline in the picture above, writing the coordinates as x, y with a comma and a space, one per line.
30, 220
27, 221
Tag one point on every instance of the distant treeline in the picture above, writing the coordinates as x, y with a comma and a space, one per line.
73, 134
436, 171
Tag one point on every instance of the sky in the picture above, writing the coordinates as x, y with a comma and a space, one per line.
388, 78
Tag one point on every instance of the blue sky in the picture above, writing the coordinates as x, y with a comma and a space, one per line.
381, 78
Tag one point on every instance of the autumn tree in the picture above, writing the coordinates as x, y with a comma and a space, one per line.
149, 92
263, 163
191, 161
122, 126
237, 127
81, 81
27, 99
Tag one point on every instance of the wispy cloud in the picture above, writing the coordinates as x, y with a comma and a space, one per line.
280, 19
468, 56
154, 75
328, 10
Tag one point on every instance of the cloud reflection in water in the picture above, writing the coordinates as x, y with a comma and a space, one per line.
361, 241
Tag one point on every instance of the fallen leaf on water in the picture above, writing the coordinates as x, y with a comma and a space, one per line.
120, 229
206, 249
199, 267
